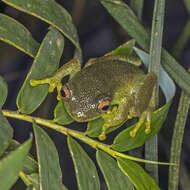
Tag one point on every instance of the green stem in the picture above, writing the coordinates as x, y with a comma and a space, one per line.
79, 135
177, 141
182, 41
151, 146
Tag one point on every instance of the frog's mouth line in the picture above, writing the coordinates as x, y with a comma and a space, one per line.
81, 119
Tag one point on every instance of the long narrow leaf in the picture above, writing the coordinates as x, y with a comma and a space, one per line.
60, 114
114, 178
177, 140
48, 160
151, 146
6, 133
30, 165
45, 64
181, 41
17, 35
140, 179
50, 12
187, 4
3, 91
137, 6
86, 174
12, 164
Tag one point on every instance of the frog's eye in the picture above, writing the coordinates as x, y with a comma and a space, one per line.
104, 106
65, 93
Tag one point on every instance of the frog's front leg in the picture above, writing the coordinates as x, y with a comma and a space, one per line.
70, 68
145, 102
115, 116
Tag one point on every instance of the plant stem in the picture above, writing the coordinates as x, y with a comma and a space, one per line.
79, 135
177, 141
151, 146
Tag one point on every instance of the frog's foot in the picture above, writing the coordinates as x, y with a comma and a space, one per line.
109, 122
102, 136
53, 83
130, 115
145, 116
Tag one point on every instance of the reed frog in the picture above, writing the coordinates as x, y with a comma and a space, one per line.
112, 87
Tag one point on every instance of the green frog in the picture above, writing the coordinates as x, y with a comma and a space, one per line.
112, 87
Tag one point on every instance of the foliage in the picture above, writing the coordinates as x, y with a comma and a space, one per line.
119, 170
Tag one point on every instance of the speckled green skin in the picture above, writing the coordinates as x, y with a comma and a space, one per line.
113, 80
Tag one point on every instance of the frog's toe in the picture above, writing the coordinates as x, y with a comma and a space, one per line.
138, 125
51, 88
59, 97
148, 128
133, 132
102, 136
35, 82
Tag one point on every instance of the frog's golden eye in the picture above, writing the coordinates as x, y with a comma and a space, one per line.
104, 106
65, 93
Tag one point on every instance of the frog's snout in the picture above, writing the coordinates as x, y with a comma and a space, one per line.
76, 112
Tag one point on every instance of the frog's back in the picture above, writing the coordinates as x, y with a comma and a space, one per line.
108, 77
114, 73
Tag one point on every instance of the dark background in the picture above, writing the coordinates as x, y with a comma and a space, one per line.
98, 34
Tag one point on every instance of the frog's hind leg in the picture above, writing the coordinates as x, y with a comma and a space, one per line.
145, 103
70, 68
128, 59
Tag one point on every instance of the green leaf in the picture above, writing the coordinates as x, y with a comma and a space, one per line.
12, 164
3, 91
140, 179
17, 35
50, 12
94, 127
45, 64
151, 146
6, 133
64, 188
124, 49
156, 36
125, 17
114, 178
48, 160
137, 7
177, 141
182, 40
34, 179
60, 114
124, 142
30, 165
31, 187
87, 177
187, 4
